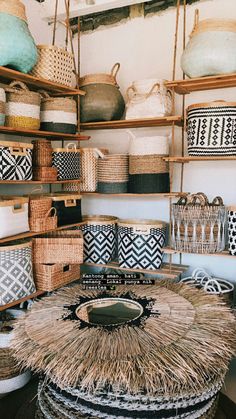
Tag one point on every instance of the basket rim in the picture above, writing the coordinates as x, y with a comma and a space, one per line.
65, 150
212, 104
16, 246
12, 200
99, 219
145, 222
16, 144
55, 47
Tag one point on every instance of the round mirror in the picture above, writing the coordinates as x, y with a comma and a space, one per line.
109, 311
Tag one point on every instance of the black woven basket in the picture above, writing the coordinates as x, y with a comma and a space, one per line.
149, 183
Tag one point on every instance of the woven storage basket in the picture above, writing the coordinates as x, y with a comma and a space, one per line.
148, 99
89, 167
68, 207
197, 225
39, 204
16, 161
22, 107
67, 162
2, 106
17, 259
211, 130
99, 232
58, 114
48, 222
42, 153
148, 174
13, 215
232, 230
45, 173
54, 63
113, 173
52, 276
140, 243
59, 247
155, 145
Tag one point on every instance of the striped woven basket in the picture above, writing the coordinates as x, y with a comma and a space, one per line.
58, 114
22, 107
2, 106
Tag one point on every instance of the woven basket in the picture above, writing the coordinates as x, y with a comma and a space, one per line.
147, 164
197, 225
22, 107
42, 153
140, 243
155, 145
67, 162
58, 114
14, 8
46, 174
112, 187
48, 222
89, 167
50, 277
232, 230
39, 205
59, 247
106, 165
2, 106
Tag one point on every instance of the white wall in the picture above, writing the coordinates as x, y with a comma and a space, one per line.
144, 47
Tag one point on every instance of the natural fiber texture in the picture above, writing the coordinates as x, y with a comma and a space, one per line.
14, 8
8, 365
89, 168
147, 164
45, 173
106, 166
54, 64
42, 153
225, 25
101, 77
44, 223
58, 104
50, 277
112, 187
149, 183
59, 247
182, 342
39, 206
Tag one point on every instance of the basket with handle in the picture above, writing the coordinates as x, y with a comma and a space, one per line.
67, 162
22, 107
39, 204
64, 246
197, 225
48, 277
54, 63
44, 223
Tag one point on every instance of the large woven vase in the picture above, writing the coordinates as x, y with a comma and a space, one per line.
211, 49
17, 47
103, 100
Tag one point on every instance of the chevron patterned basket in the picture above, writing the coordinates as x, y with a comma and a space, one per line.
99, 235
140, 243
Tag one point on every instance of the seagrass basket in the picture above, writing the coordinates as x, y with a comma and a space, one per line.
64, 246
42, 153
48, 277
113, 173
22, 107
197, 225
44, 223
45, 173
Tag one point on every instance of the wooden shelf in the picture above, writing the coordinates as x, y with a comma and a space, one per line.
7, 75
135, 195
29, 234
134, 123
167, 270
45, 134
21, 300
202, 83
187, 159
35, 182
224, 254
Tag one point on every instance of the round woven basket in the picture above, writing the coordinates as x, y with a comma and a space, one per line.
58, 114
113, 168
14, 8
148, 145
22, 107
147, 164
112, 187
42, 153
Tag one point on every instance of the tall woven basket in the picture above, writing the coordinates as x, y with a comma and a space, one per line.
22, 107
197, 225
54, 63
113, 174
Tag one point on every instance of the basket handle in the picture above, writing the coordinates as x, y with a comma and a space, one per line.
115, 70
182, 201
98, 153
18, 151
156, 85
128, 91
17, 208
70, 203
218, 201
17, 86
37, 189
130, 134
71, 146
193, 200
44, 94
51, 211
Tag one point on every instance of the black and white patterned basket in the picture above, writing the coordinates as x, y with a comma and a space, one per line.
212, 129
67, 162
15, 161
232, 230
140, 243
16, 272
99, 235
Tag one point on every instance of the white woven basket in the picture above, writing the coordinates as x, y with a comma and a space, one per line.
158, 144
12, 384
